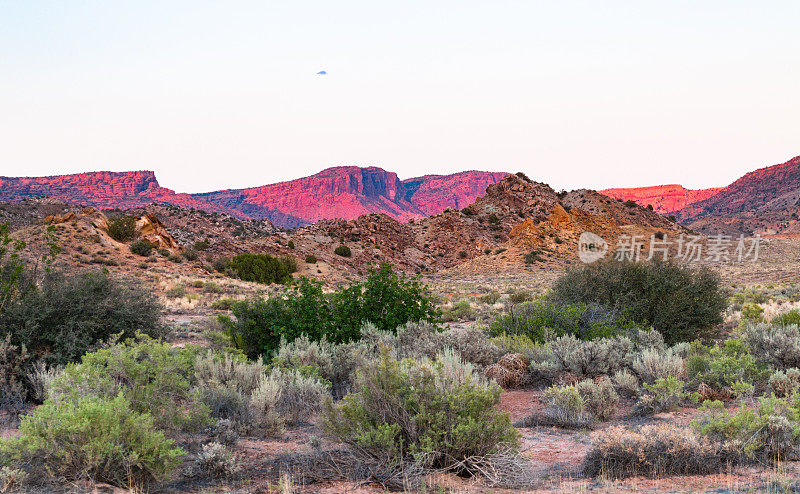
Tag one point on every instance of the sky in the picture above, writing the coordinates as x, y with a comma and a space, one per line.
214, 95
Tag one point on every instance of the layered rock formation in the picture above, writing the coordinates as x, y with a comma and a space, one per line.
347, 192
664, 198
341, 192
432, 194
104, 190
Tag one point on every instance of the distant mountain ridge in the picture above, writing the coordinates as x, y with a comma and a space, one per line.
339, 192
764, 201
665, 199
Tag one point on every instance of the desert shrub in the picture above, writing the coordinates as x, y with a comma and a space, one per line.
436, 414
211, 287
264, 407
301, 396
142, 248
227, 403
15, 362
190, 254
584, 321
784, 384
71, 315
12, 479
40, 378
650, 365
223, 304
565, 407
514, 343
626, 383
311, 259
471, 343
767, 434
682, 303
228, 370
490, 298
460, 311
312, 357
343, 251
201, 245
591, 358
665, 395
261, 268
600, 398
386, 299
153, 377
122, 228
789, 318
520, 296
751, 314
725, 365
655, 451
223, 432
102, 439
177, 291
774, 345
163, 252
216, 460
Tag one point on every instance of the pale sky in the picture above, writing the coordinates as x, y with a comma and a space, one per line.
215, 95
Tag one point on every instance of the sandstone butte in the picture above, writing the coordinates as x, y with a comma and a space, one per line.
348, 192
105, 190
664, 198
339, 192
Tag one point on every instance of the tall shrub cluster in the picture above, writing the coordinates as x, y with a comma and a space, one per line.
263, 268
386, 299
681, 302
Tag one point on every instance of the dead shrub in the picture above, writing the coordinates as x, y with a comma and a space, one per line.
655, 451
510, 371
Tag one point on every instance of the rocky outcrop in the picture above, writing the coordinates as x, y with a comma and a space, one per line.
664, 198
148, 227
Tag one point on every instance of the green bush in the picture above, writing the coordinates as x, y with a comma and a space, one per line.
343, 251
581, 320
565, 407
154, 378
386, 299
263, 268
201, 245
122, 228
71, 315
665, 395
768, 434
311, 259
432, 413
791, 317
725, 366
142, 248
682, 303
460, 311
102, 439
